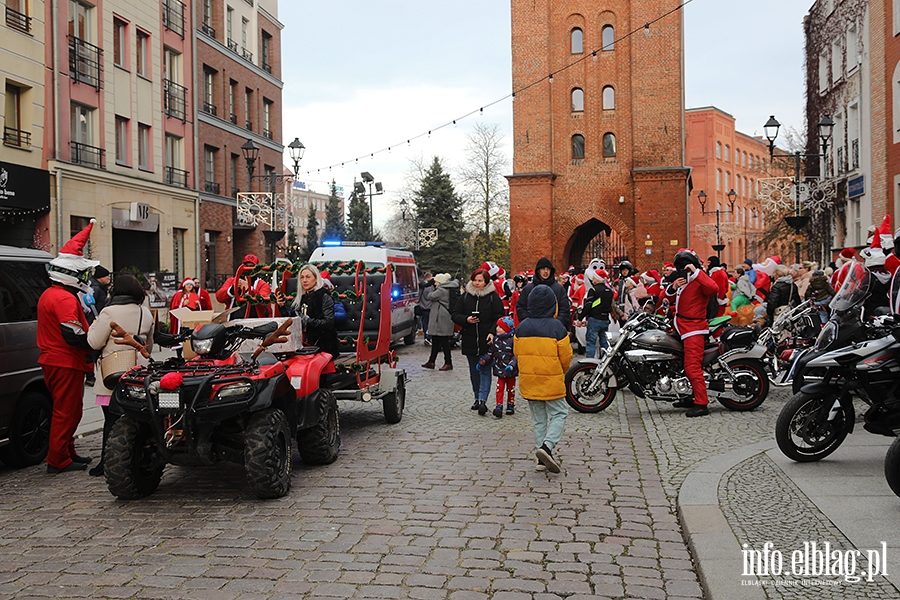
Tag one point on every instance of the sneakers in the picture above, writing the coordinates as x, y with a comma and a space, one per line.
546, 458
510, 408
476, 405
699, 410
72, 466
446, 367
498, 411
482, 408
427, 342
428, 365
686, 403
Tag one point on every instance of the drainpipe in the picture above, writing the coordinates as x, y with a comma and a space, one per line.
55, 93
198, 241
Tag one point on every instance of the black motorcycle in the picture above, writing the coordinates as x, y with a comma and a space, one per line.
817, 419
647, 360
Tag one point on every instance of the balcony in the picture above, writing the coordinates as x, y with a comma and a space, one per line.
16, 137
854, 154
175, 96
17, 20
247, 55
177, 177
267, 67
232, 45
173, 16
209, 108
84, 62
233, 118
267, 133
249, 125
211, 187
208, 30
88, 156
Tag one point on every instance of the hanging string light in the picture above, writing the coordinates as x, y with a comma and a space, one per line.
593, 55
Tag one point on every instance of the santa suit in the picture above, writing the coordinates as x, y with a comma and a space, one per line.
720, 277
691, 301
205, 300
182, 299
838, 277
61, 322
225, 295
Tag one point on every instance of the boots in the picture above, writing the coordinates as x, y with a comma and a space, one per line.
482, 407
498, 411
510, 408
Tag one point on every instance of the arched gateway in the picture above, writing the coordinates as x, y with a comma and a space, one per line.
595, 239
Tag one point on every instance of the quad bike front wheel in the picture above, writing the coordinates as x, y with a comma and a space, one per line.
267, 454
132, 463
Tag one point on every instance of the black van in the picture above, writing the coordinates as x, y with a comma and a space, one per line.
25, 404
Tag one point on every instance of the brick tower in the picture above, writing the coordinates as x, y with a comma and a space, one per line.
598, 150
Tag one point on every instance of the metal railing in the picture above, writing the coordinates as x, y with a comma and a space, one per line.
267, 67
16, 137
211, 187
175, 96
176, 177
17, 20
247, 55
208, 30
233, 118
232, 45
84, 62
209, 108
88, 156
173, 16
249, 125
267, 133
854, 154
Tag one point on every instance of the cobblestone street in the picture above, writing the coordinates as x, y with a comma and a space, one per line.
445, 504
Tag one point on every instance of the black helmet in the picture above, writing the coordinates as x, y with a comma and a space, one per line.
684, 258
626, 265
520, 278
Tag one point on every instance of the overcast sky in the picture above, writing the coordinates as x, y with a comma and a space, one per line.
361, 76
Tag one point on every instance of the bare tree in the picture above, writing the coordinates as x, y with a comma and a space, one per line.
485, 192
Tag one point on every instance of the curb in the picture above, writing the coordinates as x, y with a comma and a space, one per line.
716, 550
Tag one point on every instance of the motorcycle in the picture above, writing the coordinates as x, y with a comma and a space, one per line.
817, 419
790, 332
647, 360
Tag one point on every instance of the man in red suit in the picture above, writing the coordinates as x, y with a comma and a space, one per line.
225, 294
691, 291
718, 274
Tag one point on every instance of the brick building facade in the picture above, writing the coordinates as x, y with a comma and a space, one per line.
598, 149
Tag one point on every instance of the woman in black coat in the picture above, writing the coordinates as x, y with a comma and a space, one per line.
477, 311
315, 308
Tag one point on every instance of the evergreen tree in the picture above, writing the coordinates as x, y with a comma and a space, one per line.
359, 222
312, 236
497, 251
440, 207
293, 252
334, 217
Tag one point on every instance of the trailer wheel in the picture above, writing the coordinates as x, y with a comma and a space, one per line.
394, 402
319, 444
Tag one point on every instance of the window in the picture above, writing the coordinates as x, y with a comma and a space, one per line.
178, 252
235, 165
244, 26
719, 150
209, 170
577, 41
206, 16
17, 15
228, 25
144, 146
232, 90
120, 42
173, 151
266, 52
577, 146
80, 20
744, 160
725, 156
718, 179
727, 180
14, 133
82, 124
823, 72
267, 119
853, 54
837, 62
609, 145
141, 53
171, 62
577, 100
248, 103
609, 98
209, 105
121, 141
895, 10
608, 37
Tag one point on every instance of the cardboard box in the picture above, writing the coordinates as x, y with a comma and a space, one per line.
193, 318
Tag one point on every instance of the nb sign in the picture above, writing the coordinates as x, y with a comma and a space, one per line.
139, 212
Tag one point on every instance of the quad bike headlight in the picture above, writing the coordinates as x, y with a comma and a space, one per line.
202, 347
136, 392
235, 389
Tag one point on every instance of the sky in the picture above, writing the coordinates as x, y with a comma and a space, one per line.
361, 77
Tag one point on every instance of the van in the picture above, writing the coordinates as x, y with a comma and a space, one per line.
25, 402
404, 287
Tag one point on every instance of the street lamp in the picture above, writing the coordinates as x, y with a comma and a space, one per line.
825, 128
367, 177
250, 152
718, 246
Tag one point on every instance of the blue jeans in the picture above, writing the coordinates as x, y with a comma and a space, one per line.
481, 380
549, 419
595, 328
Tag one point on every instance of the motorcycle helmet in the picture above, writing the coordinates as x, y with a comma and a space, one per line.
626, 265
685, 257
520, 278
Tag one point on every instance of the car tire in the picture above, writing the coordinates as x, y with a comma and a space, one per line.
29, 431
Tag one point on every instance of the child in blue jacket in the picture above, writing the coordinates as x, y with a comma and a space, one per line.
504, 364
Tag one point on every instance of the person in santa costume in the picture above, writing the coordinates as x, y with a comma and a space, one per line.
225, 294
847, 256
498, 275
691, 293
718, 274
66, 356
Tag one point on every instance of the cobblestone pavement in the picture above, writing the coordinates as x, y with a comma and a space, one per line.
445, 504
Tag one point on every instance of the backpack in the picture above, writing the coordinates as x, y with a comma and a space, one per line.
454, 297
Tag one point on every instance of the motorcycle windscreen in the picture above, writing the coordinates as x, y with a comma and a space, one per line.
854, 289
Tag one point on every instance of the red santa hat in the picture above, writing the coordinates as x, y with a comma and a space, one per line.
505, 323
884, 233
491, 267
848, 253
75, 247
669, 265
650, 276
70, 267
776, 259
601, 274
188, 280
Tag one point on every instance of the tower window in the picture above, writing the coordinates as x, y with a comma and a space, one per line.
577, 41
609, 98
577, 100
609, 145
608, 37
577, 146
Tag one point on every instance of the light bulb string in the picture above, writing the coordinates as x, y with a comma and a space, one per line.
645, 27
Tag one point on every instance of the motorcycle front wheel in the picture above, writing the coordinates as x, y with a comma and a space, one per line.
750, 386
800, 433
578, 381
892, 466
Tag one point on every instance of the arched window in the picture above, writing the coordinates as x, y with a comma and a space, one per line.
609, 145
577, 146
609, 98
727, 148
577, 100
608, 37
718, 149
718, 179
577, 41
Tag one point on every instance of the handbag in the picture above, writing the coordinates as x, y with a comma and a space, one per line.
118, 362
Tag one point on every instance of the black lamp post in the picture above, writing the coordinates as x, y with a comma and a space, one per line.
251, 153
825, 127
718, 246
367, 178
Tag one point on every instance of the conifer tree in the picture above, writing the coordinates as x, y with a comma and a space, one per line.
440, 208
334, 217
359, 222
312, 236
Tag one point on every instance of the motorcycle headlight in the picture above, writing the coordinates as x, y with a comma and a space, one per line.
235, 389
826, 336
133, 391
202, 347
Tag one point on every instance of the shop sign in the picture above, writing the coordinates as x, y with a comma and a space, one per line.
23, 188
121, 219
